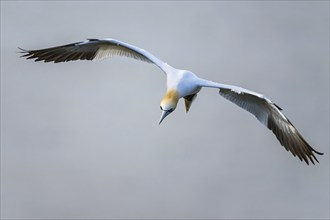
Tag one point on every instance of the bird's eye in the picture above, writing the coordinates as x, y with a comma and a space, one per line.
161, 108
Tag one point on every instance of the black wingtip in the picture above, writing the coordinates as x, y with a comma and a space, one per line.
24, 52
319, 153
21, 50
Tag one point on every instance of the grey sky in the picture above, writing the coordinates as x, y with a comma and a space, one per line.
81, 139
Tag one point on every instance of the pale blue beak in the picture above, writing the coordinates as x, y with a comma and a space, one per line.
164, 114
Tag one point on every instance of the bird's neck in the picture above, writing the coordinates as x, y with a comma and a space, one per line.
171, 97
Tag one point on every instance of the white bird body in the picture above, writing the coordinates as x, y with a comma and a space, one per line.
185, 84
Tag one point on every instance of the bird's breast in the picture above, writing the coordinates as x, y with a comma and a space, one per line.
184, 82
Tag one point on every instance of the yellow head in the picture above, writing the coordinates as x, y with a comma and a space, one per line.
168, 103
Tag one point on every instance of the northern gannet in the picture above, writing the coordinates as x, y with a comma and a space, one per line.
185, 84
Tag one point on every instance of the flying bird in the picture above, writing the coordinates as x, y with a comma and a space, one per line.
185, 84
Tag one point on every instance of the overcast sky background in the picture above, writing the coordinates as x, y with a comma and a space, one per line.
82, 140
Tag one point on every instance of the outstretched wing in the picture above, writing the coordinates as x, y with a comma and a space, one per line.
271, 116
91, 49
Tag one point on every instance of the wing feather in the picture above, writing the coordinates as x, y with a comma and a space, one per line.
91, 49
271, 116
